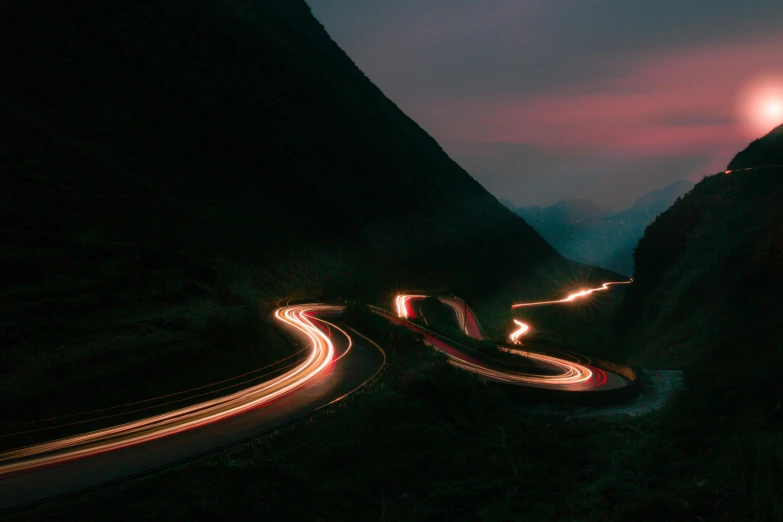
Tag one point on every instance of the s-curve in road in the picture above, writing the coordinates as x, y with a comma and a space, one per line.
330, 364
556, 370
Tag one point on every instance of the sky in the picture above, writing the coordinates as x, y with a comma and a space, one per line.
545, 100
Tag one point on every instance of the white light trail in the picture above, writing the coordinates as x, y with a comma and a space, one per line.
574, 296
300, 318
519, 332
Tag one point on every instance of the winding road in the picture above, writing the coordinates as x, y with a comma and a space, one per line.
563, 372
330, 365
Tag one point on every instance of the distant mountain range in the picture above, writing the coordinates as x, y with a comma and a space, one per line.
581, 230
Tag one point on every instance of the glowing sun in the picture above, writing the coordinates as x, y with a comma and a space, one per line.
760, 106
774, 110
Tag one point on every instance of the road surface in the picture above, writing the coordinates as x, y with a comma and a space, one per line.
533, 369
333, 365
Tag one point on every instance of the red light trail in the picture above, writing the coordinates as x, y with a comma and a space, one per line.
300, 319
570, 376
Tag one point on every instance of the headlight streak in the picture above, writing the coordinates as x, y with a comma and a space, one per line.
160, 405
519, 332
571, 375
574, 296
465, 317
458, 312
468, 324
320, 359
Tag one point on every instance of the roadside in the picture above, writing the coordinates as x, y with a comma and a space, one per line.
659, 387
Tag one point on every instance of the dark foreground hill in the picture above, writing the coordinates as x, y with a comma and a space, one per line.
767, 150
429, 442
706, 300
708, 272
705, 292
171, 169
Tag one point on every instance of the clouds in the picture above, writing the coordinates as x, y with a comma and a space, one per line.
566, 81
530, 175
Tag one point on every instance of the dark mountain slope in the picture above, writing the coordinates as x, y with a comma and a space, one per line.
765, 151
184, 112
705, 292
706, 300
171, 168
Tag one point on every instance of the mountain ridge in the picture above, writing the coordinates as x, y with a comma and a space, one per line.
171, 170
587, 234
764, 151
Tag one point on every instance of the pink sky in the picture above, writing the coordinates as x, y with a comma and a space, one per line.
678, 103
543, 100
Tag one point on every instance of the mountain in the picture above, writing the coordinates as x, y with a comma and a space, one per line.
170, 170
767, 150
582, 231
569, 211
706, 300
710, 259
655, 202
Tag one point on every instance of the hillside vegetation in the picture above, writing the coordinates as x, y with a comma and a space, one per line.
765, 151
169, 171
706, 300
706, 279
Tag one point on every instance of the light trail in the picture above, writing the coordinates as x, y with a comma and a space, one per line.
402, 302
459, 312
467, 324
465, 316
574, 296
572, 376
568, 375
519, 332
300, 318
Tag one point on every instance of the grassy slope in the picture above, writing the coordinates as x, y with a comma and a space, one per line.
706, 277
706, 300
151, 194
427, 442
171, 170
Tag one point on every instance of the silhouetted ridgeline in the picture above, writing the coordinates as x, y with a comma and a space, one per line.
712, 261
168, 164
706, 299
706, 286
767, 150
236, 129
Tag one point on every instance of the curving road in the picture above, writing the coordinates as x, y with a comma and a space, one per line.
533, 369
331, 366
467, 320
